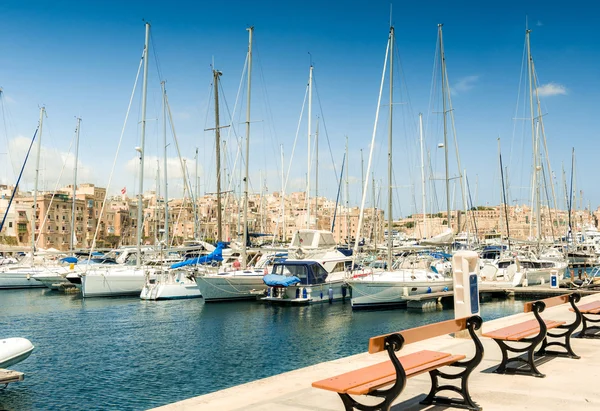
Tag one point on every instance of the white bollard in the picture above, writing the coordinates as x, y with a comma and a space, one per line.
465, 267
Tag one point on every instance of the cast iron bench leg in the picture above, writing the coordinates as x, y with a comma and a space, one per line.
529, 349
588, 331
568, 330
468, 367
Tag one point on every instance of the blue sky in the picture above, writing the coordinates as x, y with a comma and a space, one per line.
80, 59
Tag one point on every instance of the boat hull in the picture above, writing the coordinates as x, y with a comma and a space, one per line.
20, 278
117, 283
215, 288
14, 350
383, 294
303, 294
170, 287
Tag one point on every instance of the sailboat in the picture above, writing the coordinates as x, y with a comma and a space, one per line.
169, 283
389, 288
19, 275
245, 283
103, 281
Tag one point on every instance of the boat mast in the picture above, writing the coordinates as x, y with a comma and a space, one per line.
37, 175
282, 196
390, 219
310, 77
347, 200
216, 75
444, 112
317, 176
423, 176
164, 103
534, 137
248, 100
141, 150
196, 197
374, 214
75, 184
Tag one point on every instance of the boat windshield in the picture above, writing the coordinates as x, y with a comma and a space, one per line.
308, 274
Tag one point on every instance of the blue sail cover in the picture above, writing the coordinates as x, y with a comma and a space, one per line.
70, 260
280, 280
216, 255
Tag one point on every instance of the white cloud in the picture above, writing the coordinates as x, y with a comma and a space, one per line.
552, 89
174, 169
465, 84
52, 162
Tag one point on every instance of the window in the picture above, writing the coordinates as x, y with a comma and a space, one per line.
10, 224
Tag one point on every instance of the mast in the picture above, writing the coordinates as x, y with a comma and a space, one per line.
37, 175
248, 100
196, 197
390, 219
423, 176
317, 176
374, 214
444, 87
72, 243
347, 200
216, 75
164, 102
141, 150
310, 77
282, 197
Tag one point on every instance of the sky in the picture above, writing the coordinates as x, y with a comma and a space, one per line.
80, 59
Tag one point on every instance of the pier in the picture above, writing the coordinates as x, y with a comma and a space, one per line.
569, 384
8, 376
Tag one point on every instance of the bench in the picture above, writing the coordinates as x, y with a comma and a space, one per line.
529, 334
375, 380
586, 311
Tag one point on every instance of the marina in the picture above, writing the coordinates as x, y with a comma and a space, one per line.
293, 207
122, 342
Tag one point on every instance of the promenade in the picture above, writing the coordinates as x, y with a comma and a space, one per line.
569, 384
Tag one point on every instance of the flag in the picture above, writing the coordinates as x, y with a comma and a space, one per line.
124, 190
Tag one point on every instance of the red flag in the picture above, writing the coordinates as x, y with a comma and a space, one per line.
123, 190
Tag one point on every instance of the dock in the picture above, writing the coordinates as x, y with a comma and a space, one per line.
8, 376
569, 383
445, 299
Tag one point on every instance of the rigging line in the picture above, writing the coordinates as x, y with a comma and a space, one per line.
268, 107
55, 190
325, 128
18, 180
137, 76
6, 131
156, 60
510, 157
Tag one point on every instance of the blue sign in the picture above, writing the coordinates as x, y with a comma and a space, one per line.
474, 288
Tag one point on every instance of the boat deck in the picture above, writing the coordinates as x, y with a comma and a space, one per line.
8, 376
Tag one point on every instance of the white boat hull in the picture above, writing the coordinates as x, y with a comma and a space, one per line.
170, 286
217, 287
308, 294
14, 350
381, 294
19, 278
113, 283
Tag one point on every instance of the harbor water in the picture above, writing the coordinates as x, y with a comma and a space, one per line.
128, 354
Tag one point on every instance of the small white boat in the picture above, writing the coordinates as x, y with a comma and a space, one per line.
14, 350
170, 285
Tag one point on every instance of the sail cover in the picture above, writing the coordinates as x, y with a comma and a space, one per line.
216, 255
280, 280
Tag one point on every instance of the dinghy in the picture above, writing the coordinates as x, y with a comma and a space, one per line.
14, 350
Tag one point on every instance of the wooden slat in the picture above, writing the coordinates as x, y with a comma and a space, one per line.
8, 376
343, 382
519, 331
376, 344
550, 302
367, 388
589, 308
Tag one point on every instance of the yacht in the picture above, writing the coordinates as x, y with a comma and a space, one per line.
20, 275
170, 284
233, 284
512, 269
411, 275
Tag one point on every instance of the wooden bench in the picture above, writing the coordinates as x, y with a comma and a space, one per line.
374, 379
587, 310
529, 334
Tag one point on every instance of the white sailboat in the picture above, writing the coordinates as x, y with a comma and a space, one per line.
390, 287
168, 283
19, 275
126, 280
